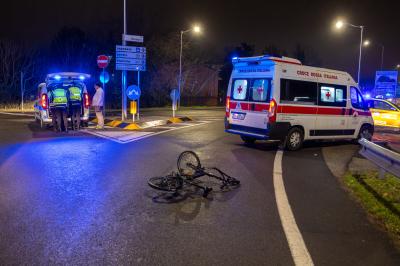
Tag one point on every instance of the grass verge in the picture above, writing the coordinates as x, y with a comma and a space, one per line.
380, 197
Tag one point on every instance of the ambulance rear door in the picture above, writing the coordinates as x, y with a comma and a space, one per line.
250, 102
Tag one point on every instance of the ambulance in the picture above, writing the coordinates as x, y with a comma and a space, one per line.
273, 98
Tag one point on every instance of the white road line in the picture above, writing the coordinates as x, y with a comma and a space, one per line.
135, 135
298, 248
16, 114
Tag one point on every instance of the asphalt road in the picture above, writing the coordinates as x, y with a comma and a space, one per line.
80, 199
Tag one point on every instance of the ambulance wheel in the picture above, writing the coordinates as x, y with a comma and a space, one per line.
366, 132
248, 140
294, 139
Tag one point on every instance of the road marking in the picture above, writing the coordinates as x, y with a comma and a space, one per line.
16, 114
297, 247
123, 136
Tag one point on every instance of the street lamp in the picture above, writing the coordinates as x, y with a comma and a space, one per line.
197, 30
340, 24
366, 43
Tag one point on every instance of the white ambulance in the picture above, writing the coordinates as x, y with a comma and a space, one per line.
281, 99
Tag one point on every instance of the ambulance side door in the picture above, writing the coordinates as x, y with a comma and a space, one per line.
357, 108
331, 114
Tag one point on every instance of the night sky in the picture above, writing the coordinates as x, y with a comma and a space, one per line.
226, 23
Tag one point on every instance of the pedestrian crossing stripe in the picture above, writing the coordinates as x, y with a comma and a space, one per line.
141, 125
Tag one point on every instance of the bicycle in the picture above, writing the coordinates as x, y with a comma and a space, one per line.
190, 169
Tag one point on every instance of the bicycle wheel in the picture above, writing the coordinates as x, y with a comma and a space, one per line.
170, 183
188, 163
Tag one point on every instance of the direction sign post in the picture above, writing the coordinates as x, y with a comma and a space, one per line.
102, 62
131, 58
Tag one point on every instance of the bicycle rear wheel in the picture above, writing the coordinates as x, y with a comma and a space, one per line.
188, 163
170, 183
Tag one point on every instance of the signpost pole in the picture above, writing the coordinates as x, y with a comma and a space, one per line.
138, 100
104, 90
123, 93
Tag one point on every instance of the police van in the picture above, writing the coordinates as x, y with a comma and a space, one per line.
272, 98
61, 82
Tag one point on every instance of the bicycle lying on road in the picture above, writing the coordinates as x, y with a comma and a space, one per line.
189, 170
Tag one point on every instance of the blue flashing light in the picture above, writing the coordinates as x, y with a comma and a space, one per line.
368, 96
388, 94
57, 77
82, 77
234, 58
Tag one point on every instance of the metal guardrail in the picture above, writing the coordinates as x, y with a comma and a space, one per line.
387, 160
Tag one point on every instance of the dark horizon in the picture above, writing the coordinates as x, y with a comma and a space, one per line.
308, 23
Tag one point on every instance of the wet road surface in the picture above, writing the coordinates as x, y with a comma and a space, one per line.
79, 199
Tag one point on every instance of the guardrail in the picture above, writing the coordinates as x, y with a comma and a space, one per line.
387, 160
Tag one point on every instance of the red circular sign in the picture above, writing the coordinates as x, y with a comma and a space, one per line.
102, 61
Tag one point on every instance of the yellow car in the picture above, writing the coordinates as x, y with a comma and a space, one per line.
384, 113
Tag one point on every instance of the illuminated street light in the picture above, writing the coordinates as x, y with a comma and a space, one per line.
340, 24
196, 29
366, 43
398, 66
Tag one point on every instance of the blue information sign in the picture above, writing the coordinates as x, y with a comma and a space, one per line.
104, 77
133, 92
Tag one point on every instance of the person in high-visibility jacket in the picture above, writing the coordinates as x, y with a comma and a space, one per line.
58, 103
75, 106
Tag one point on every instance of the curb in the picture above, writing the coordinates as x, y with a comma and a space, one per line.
142, 125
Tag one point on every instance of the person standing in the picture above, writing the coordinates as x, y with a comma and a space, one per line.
98, 104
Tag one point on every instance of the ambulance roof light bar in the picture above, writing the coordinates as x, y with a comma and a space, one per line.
282, 59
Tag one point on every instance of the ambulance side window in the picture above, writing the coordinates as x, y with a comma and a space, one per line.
259, 90
239, 89
298, 92
332, 95
356, 99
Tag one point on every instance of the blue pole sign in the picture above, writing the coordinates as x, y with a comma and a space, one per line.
174, 95
104, 77
133, 92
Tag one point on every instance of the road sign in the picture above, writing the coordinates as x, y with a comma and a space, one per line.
133, 107
102, 61
131, 58
133, 92
132, 38
174, 95
104, 77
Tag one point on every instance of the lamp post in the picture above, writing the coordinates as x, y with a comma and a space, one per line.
340, 24
196, 29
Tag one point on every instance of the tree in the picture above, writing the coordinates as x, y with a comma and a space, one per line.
272, 50
243, 50
14, 59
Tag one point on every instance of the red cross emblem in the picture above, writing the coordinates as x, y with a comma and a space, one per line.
328, 95
240, 89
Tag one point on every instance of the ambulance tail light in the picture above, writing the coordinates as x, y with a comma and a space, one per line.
227, 109
272, 110
44, 101
86, 100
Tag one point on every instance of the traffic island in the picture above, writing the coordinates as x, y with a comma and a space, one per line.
143, 124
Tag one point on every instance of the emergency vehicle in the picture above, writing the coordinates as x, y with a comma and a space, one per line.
272, 98
65, 81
